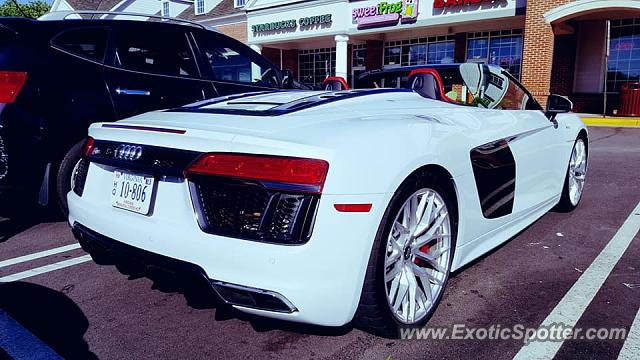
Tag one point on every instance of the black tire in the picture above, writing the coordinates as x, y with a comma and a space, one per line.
373, 313
565, 204
63, 178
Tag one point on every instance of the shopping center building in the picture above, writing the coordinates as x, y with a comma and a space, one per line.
316, 38
552, 46
575, 48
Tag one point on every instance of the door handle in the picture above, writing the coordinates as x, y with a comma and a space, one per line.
133, 92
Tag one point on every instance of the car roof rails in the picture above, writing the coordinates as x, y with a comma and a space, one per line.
65, 14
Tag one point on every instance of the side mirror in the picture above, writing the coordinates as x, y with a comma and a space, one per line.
557, 104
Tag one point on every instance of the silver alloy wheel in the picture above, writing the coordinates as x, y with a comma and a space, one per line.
417, 256
577, 171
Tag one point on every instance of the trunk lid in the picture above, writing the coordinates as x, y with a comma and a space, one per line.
289, 113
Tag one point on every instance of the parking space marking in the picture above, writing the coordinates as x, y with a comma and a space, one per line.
20, 344
631, 348
576, 300
45, 269
38, 255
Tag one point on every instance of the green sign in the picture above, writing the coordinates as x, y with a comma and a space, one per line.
292, 24
314, 20
278, 25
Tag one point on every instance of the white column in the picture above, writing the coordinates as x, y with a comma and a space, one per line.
341, 55
256, 48
256, 71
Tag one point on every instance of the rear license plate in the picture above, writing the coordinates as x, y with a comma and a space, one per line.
132, 192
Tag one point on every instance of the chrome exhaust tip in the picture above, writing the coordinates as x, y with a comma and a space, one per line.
253, 298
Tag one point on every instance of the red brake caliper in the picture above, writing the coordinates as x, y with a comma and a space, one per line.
424, 249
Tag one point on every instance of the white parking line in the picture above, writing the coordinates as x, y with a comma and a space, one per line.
631, 348
39, 255
576, 300
45, 269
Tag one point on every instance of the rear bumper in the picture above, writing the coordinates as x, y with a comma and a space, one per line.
322, 279
18, 197
130, 259
23, 154
16, 201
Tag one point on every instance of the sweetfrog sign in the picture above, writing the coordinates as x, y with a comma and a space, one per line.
386, 13
392, 13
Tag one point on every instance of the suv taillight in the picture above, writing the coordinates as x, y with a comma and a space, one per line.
87, 147
11, 82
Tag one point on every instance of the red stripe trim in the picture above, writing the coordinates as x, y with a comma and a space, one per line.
144, 128
353, 207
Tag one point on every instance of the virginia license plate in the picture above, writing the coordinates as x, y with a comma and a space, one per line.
132, 192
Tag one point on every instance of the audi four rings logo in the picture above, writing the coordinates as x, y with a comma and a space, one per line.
128, 152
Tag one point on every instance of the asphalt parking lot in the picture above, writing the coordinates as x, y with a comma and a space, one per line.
82, 310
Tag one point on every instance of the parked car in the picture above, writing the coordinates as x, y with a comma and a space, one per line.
324, 207
77, 72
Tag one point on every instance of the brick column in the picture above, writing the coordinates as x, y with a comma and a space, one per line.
272, 54
237, 31
564, 58
375, 50
290, 61
460, 52
537, 56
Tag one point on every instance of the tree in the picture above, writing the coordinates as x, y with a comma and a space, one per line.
33, 9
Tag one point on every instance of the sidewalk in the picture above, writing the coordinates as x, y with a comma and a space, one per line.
599, 120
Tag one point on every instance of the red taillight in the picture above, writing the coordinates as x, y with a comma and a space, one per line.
11, 83
295, 171
87, 148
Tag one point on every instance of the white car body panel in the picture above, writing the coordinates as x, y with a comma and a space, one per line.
372, 143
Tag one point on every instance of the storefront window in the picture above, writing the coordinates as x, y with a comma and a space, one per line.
432, 50
417, 54
441, 52
359, 55
624, 56
392, 55
503, 48
315, 65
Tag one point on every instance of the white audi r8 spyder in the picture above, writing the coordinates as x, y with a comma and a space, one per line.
325, 207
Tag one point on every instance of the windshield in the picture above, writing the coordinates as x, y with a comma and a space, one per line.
491, 87
473, 84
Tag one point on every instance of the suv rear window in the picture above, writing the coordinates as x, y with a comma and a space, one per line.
89, 43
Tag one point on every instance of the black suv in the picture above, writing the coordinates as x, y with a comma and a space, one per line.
57, 77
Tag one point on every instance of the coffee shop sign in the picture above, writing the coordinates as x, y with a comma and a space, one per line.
386, 13
292, 24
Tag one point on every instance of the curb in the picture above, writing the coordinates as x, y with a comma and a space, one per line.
612, 121
19, 343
